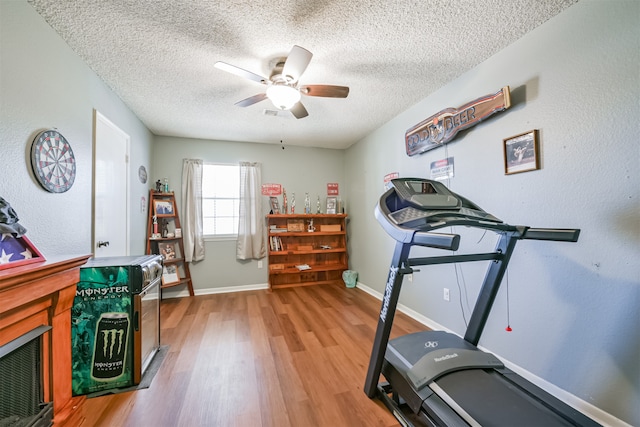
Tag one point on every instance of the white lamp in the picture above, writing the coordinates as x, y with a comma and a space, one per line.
283, 97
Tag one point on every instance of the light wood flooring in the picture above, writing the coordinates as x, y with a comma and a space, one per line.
292, 357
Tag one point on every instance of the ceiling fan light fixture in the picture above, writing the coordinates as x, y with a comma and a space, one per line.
283, 96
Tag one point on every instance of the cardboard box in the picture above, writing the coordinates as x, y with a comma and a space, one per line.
276, 266
330, 227
295, 225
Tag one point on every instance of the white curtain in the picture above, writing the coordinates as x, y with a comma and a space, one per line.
251, 230
192, 233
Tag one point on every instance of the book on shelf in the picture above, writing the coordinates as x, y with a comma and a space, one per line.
275, 229
275, 243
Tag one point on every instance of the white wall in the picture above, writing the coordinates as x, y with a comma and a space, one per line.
573, 307
44, 84
297, 169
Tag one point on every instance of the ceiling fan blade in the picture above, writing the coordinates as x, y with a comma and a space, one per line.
296, 62
240, 72
251, 100
327, 91
299, 111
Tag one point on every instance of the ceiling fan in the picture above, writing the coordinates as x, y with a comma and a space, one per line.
282, 85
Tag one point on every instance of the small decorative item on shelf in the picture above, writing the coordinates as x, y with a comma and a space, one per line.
295, 225
178, 232
158, 186
166, 185
165, 228
155, 234
284, 201
331, 205
168, 250
163, 207
273, 203
310, 227
331, 228
307, 203
293, 203
318, 206
170, 275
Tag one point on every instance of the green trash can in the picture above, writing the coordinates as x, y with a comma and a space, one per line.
350, 278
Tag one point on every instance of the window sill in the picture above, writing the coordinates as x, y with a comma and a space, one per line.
221, 238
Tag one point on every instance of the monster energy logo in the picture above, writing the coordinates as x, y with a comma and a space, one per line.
110, 346
110, 337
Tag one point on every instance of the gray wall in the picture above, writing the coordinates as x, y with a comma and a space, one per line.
573, 307
297, 169
44, 84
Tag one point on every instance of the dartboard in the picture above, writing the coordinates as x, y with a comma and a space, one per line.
53, 162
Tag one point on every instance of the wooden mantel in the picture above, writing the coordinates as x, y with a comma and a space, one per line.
42, 294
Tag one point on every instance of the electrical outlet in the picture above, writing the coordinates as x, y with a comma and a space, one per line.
259, 263
410, 277
445, 294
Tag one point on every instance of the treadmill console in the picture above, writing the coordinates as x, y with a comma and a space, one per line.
425, 194
417, 203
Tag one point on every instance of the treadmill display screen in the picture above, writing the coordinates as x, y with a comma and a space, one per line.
421, 187
425, 194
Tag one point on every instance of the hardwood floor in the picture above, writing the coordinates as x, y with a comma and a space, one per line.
293, 357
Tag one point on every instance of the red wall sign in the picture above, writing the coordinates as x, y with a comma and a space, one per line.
271, 189
332, 189
388, 177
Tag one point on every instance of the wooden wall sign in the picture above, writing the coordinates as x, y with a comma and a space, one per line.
443, 126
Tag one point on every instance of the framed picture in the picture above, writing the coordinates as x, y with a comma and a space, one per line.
163, 208
168, 250
275, 207
331, 205
16, 251
521, 153
170, 275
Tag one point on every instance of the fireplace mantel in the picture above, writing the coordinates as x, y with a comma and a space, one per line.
42, 294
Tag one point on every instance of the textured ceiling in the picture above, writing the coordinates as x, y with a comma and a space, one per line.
158, 56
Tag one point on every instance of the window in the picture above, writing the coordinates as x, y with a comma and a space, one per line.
220, 200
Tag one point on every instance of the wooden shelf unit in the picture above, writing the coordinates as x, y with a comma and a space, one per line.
157, 245
325, 252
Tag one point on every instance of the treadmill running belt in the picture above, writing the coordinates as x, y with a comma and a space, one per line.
493, 401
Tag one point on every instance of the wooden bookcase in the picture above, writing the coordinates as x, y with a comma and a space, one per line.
163, 240
292, 245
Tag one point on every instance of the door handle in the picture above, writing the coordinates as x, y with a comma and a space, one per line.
101, 244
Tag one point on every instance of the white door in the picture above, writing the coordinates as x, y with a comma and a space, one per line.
110, 189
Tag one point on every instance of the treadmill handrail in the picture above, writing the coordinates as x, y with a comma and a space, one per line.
554, 234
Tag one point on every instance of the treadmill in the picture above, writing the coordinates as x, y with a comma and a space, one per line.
436, 378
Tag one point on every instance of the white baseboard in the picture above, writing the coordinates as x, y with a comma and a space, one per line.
586, 408
211, 291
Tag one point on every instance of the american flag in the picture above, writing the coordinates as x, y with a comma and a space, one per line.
12, 249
